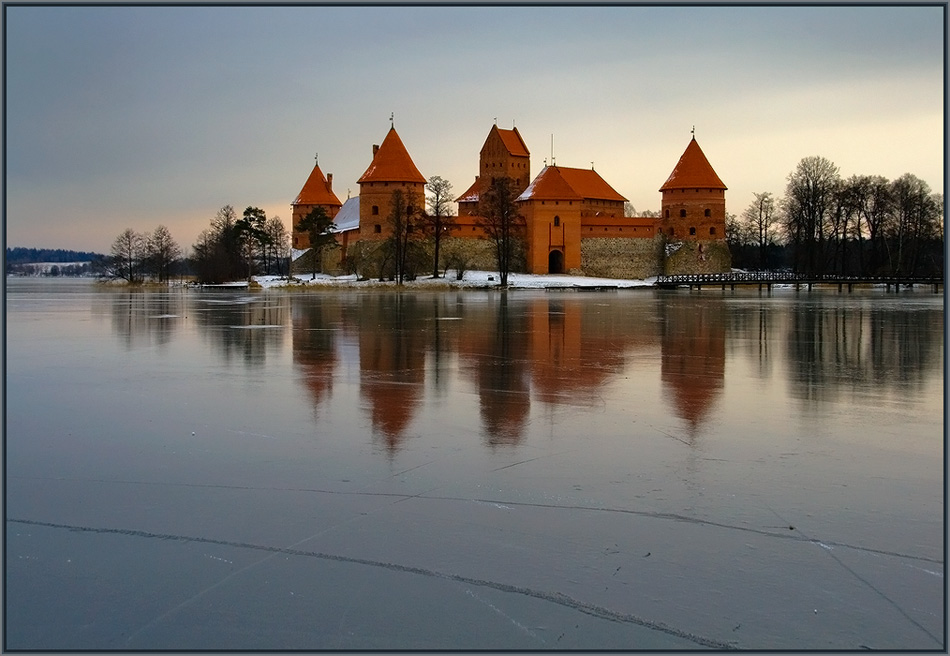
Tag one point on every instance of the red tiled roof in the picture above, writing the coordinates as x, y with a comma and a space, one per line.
561, 183
693, 171
471, 194
316, 191
392, 163
513, 142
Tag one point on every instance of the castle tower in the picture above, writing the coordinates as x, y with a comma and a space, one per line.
317, 191
504, 153
693, 204
392, 168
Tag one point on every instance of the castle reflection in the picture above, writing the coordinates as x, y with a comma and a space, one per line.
524, 353
514, 351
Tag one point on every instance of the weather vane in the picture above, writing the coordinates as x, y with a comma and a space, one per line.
392, 116
693, 131
316, 158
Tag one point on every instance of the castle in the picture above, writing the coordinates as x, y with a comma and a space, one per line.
573, 219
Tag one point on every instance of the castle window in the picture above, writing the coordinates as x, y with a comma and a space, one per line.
557, 221
682, 214
667, 214
375, 210
377, 228
692, 231
706, 213
712, 231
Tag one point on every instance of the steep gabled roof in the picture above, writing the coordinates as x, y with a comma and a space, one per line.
513, 142
693, 171
316, 191
392, 163
510, 139
471, 194
562, 183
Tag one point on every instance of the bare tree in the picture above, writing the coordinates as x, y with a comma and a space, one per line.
629, 211
405, 221
161, 252
278, 243
873, 202
809, 201
916, 219
504, 224
128, 251
760, 222
439, 218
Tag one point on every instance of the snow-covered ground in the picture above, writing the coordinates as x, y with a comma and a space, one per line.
471, 279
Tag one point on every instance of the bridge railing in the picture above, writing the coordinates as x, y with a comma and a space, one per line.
789, 277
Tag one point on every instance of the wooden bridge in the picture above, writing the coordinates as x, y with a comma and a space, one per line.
769, 278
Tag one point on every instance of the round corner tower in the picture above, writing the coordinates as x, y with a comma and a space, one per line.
693, 204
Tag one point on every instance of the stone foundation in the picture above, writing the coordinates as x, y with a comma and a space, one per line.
683, 257
620, 257
467, 254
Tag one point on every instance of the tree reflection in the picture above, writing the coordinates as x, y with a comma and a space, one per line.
839, 348
241, 327
495, 348
143, 317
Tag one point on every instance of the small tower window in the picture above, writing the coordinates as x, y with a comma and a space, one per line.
557, 221
682, 214
706, 213
692, 231
375, 210
712, 231
377, 228
667, 214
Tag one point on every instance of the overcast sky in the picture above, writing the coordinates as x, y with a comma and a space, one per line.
138, 116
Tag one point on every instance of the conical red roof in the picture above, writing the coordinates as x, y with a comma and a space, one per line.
316, 191
693, 171
392, 163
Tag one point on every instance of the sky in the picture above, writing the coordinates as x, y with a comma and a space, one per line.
132, 117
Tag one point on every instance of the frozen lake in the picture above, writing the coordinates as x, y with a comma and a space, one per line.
336, 470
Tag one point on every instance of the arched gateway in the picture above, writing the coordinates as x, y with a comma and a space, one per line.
556, 262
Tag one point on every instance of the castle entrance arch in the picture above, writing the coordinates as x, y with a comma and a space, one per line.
556, 262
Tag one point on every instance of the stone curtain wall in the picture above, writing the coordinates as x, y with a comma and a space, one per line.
471, 254
621, 257
684, 257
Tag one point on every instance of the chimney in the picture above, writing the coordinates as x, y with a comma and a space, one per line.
330, 181
375, 148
